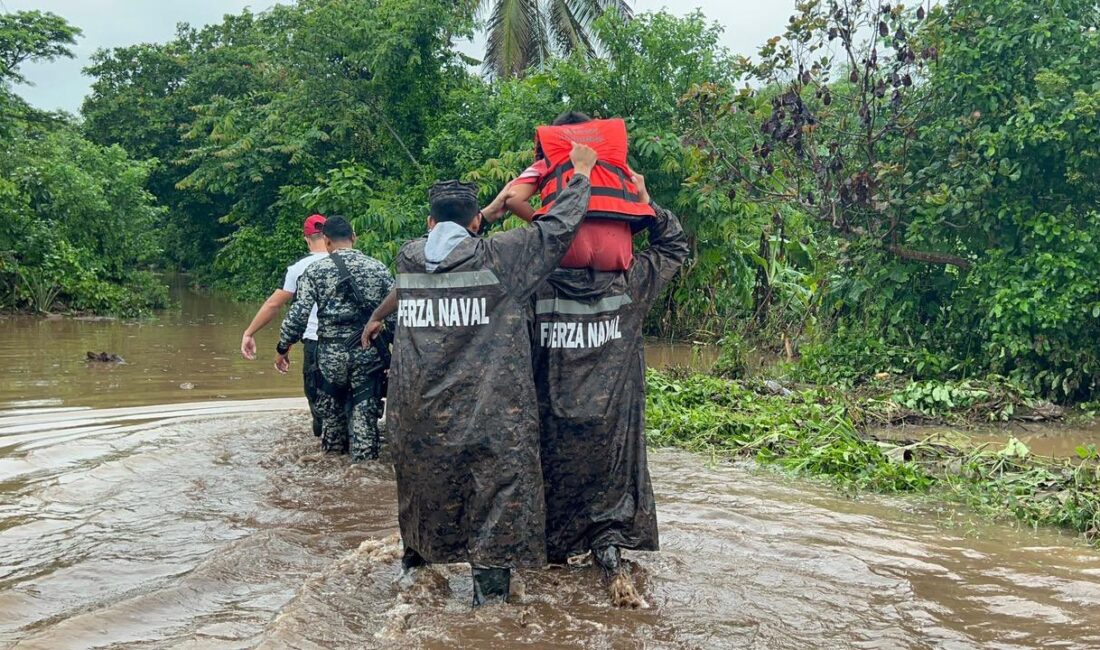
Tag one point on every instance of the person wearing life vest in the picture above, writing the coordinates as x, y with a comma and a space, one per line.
590, 377
462, 408
615, 211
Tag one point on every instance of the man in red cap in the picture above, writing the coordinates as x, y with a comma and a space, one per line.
315, 240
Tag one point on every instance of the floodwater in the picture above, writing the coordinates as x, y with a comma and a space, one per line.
189, 353
137, 514
1047, 439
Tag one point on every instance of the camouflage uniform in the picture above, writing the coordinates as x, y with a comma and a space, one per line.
349, 396
590, 377
462, 407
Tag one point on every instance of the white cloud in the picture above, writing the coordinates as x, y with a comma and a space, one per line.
747, 23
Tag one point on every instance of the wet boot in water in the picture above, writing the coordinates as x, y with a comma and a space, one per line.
609, 558
491, 584
411, 560
621, 586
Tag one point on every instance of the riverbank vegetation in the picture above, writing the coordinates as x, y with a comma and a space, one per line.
815, 431
76, 218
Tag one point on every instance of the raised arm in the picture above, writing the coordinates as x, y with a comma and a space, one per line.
514, 198
525, 256
519, 201
655, 267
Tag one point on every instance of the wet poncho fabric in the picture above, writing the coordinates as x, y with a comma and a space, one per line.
590, 377
462, 407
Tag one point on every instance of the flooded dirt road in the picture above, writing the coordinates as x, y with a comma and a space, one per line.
138, 512
222, 527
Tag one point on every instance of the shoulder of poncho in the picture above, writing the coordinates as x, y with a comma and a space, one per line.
412, 251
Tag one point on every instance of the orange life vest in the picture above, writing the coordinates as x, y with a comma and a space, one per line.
613, 195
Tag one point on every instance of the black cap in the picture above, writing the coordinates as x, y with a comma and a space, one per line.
453, 190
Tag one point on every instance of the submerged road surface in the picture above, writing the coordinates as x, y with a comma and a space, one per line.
218, 525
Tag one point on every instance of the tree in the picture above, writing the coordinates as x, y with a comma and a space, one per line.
76, 223
143, 98
32, 36
527, 33
947, 150
338, 84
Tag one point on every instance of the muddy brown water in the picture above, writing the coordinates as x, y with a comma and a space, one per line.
136, 514
1047, 439
189, 353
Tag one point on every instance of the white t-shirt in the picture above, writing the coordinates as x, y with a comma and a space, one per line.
290, 284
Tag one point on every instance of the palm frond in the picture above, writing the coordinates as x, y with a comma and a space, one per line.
568, 32
514, 35
526, 33
587, 11
540, 51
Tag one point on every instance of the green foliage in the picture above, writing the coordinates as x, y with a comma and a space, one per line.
985, 199
972, 400
732, 362
1007, 176
32, 36
1011, 481
525, 33
812, 432
247, 116
807, 432
76, 223
901, 191
853, 357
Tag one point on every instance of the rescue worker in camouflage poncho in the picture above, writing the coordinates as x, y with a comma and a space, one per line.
349, 387
462, 406
590, 377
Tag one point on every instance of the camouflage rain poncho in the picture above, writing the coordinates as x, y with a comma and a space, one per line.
590, 376
462, 407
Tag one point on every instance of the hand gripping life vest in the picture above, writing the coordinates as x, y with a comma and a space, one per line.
613, 195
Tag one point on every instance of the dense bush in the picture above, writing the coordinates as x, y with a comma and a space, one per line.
76, 225
949, 152
76, 219
813, 432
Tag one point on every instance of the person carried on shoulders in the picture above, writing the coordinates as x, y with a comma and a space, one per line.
615, 211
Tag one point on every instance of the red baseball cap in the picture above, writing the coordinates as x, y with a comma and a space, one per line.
313, 225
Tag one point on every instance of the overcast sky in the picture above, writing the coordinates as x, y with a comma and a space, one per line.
113, 23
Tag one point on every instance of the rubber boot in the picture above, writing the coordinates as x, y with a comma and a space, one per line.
491, 584
609, 558
412, 560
